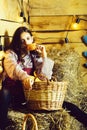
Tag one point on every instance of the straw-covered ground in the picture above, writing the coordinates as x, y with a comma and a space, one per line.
66, 68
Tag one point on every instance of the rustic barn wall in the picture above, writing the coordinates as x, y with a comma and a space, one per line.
57, 7
10, 17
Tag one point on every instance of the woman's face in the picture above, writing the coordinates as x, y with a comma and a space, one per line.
26, 38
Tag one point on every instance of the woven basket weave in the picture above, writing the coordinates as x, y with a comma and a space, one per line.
46, 95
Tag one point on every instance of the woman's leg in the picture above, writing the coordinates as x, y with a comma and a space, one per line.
4, 104
17, 94
76, 112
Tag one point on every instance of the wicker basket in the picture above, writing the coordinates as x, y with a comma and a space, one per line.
46, 95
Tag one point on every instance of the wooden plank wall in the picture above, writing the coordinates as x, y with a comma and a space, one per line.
49, 29
57, 7
10, 18
51, 20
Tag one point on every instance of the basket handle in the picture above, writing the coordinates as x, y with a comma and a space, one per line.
41, 77
33, 119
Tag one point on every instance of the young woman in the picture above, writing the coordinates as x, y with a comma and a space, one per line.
21, 62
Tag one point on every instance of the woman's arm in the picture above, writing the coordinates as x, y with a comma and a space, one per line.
12, 68
43, 65
15, 72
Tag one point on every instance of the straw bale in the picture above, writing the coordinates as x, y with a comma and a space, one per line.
75, 125
54, 120
17, 118
67, 67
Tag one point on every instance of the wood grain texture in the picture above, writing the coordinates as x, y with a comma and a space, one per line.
57, 7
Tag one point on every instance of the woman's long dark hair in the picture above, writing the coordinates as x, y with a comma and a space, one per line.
16, 43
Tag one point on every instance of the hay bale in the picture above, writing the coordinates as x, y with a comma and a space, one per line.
17, 118
53, 120
67, 67
75, 125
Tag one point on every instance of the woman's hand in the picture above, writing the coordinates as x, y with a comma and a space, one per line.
28, 82
41, 49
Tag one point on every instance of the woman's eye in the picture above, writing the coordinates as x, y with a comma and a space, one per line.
28, 38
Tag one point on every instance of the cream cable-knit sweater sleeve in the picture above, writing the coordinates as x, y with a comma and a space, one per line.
12, 68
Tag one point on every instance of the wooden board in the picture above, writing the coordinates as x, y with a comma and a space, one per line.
57, 7
58, 37
55, 23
